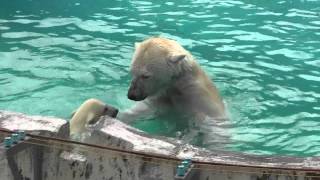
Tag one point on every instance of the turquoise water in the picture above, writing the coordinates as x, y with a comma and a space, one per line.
264, 57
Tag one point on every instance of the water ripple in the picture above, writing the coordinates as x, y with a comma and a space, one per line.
302, 13
296, 25
309, 77
274, 66
255, 36
54, 22
291, 53
20, 34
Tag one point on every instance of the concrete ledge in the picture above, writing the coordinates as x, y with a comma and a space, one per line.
88, 163
49, 126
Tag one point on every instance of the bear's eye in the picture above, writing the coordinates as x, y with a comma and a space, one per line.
146, 76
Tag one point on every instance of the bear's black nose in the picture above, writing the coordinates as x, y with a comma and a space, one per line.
110, 111
132, 96
136, 97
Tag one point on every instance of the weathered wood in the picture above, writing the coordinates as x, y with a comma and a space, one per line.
95, 164
12, 152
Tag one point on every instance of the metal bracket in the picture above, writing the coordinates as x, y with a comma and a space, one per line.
191, 174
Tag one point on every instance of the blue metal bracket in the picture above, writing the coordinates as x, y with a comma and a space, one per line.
186, 171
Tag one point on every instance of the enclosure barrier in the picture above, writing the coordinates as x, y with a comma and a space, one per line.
117, 151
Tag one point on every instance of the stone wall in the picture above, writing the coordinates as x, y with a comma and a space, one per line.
51, 161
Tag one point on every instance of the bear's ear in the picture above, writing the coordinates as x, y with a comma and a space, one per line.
73, 113
136, 45
177, 58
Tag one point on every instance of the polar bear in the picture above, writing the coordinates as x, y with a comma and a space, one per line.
89, 113
166, 78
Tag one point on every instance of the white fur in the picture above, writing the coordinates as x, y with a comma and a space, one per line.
89, 111
170, 78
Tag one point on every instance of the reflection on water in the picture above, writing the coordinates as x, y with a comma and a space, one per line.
263, 56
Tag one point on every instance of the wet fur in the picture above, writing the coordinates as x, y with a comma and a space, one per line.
89, 112
176, 82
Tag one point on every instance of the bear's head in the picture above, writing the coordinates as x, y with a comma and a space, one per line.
156, 63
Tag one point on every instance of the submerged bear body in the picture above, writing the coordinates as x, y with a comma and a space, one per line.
166, 77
